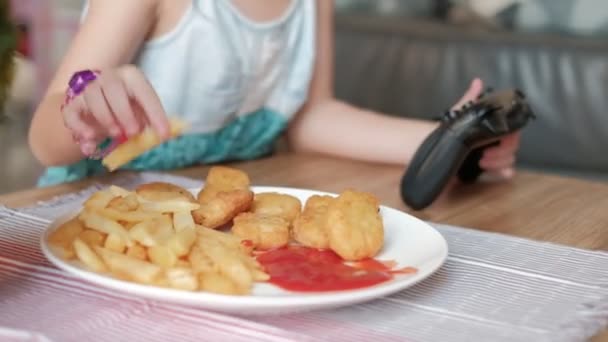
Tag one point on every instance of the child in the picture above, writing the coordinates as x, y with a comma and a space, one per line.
240, 72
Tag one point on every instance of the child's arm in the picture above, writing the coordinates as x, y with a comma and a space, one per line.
107, 40
327, 125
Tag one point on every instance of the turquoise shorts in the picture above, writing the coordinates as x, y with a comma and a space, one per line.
247, 137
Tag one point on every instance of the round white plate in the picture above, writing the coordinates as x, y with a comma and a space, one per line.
408, 241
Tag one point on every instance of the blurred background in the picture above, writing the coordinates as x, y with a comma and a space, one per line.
403, 57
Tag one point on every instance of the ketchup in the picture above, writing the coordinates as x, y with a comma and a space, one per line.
304, 269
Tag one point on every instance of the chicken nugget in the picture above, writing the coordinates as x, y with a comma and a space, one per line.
222, 208
310, 228
228, 176
265, 232
276, 204
354, 225
159, 191
223, 178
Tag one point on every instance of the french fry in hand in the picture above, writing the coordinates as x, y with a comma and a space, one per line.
129, 268
139, 144
88, 257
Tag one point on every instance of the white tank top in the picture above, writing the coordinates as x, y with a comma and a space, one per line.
217, 64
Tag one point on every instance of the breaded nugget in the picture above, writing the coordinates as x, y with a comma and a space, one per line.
310, 228
159, 191
222, 208
265, 232
222, 178
276, 204
354, 225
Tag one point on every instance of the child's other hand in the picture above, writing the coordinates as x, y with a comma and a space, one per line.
497, 160
119, 102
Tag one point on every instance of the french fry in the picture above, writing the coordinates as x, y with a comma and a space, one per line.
181, 242
115, 243
183, 263
61, 240
200, 262
150, 236
92, 237
169, 206
99, 200
124, 204
152, 232
137, 251
228, 263
88, 256
129, 216
128, 267
100, 223
231, 241
162, 256
182, 278
183, 220
119, 191
218, 283
139, 144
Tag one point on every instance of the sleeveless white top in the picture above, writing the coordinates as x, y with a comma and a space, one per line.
237, 83
217, 64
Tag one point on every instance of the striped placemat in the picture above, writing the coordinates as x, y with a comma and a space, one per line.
492, 288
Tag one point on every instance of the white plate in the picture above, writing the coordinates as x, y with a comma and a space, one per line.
408, 241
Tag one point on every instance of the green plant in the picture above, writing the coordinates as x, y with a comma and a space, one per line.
8, 44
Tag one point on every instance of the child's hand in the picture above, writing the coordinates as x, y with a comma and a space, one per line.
497, 160
119, 102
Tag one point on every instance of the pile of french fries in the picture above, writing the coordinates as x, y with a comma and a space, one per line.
154, 240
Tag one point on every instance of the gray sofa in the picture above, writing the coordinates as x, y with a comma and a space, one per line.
419, 67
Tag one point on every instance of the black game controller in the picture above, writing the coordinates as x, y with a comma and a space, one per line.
457, 145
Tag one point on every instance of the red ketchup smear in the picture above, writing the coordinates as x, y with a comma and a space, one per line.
247, 243
304, 269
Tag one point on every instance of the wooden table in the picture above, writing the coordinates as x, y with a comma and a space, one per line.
536, 206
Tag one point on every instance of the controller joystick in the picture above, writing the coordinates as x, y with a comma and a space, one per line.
456, 146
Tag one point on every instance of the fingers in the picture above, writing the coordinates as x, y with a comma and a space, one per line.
497, 163
508, 146
118, 102
73, 120
142, 91
499, 175
114, 89
475, 89
98, 107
